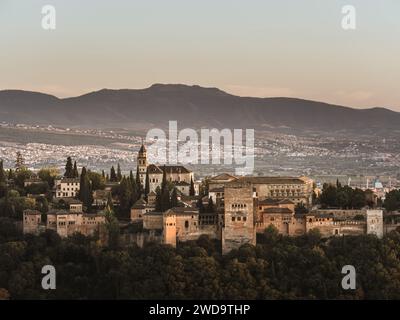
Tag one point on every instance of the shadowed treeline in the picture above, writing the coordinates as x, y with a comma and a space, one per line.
277, 268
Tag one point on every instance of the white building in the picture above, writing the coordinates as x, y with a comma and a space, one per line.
67, 187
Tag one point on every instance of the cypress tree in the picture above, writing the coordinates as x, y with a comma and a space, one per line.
110, 203
103, 174
82, 184
192, 191
119, 174
125, 197
210, 207
165, 200
2, 173
113, 176
147, 186
75, 171
69, 170
158, 200
164, 179
200, 206
134, 187
138, 183
85, 191
174, 198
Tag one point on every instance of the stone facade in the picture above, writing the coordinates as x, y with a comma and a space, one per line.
153, 221
248, 205
239, 227
67, 188
32, 222
63, 222
375, 222
296, 189
169, 228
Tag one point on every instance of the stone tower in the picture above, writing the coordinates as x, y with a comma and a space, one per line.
142, 164
375, 222
239, 214
169, 228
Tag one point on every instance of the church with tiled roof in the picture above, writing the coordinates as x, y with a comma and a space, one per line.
179, 175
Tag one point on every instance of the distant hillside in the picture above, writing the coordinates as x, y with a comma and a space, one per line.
192, 106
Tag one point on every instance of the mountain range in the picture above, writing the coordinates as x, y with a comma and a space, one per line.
191, 106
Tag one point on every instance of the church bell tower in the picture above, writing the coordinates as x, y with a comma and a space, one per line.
142, 164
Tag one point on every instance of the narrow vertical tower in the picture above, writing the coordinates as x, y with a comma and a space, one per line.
239, 214
142, 164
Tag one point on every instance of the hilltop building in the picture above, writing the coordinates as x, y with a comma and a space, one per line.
64, 222
67, 187
178, 175
296, 189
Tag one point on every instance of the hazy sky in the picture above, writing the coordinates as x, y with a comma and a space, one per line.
249, 47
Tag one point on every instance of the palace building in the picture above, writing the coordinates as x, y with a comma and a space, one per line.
296, 189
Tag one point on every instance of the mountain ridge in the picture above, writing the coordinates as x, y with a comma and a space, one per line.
192, 106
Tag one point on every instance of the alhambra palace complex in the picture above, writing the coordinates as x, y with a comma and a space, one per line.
244, 206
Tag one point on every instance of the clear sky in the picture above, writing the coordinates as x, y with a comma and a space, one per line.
294, 48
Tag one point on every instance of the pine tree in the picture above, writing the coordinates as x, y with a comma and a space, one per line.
2, 173
192, 191
69, 170
19, 162
113, 176
75, 172
174, 198
119, 174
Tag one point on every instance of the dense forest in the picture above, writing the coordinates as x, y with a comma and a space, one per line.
279, 267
